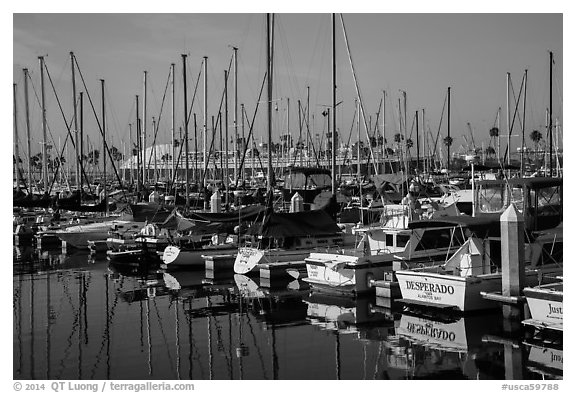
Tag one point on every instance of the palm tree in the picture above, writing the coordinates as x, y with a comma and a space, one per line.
448, 142
536, 137
37, 161
489, 151
494, 131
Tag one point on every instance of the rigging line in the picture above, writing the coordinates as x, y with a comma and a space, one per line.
293, 82
218, 119
75, 324
412, 126
356, 85
251, 125
514, 117
159, 118
182, 141
256, 345
558, 85
115, 130
106, 329
220, 343
68, 135
258, 155
440, 125
162, 332
194, 95
193, 345
310, 136
99, 125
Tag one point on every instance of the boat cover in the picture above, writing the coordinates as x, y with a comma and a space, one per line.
306, 223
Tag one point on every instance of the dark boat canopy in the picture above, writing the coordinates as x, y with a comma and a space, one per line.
490, 167
307, 223
307, 170
246, 213
481, 226
534, 183
150, 212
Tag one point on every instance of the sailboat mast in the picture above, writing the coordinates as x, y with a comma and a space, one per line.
227, 172
269, 27
144, 128
498, 137
16, 151
550, 115
508, 130
44, 136
334, 139
81, 147
449, 140
104, 148
28, 144
78, 182
173, 120
205, 153
358, 143
138, 147
417, 145
131, 155
383, 148
186, 129
236, 114
425, 168
155, 152
523, 124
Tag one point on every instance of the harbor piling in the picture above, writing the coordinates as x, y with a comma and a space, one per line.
513, 276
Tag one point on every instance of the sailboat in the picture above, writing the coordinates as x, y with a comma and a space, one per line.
285, 237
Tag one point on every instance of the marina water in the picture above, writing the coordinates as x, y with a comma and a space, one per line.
78, 317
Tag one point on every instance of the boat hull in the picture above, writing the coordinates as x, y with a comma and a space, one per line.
250, 259
176, 256
546, 306
452, 292
342, 276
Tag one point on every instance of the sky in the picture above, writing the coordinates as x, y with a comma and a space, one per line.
421, 54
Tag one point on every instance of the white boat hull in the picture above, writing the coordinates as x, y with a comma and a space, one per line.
546, 306
249, 259
341, 275
453, 292
175, 256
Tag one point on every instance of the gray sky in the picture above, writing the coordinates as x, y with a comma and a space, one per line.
421, 54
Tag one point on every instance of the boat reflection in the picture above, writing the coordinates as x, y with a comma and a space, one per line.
343, 314
545, 358
439, 349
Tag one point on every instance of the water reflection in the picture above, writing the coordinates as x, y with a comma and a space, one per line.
80, 317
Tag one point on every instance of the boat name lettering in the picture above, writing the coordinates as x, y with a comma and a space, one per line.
555, 309
556, 358
430, 331
429, 287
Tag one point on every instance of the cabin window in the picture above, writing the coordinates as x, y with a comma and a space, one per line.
549, 196
434, 239
318, 180
389, 240
401, 240
491, 199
